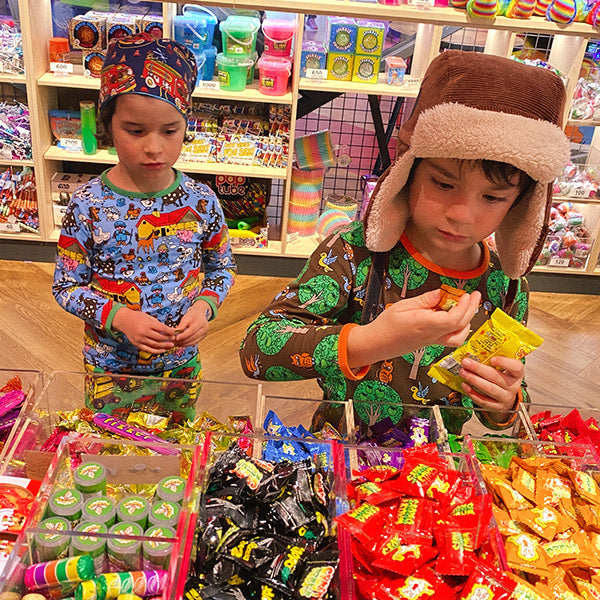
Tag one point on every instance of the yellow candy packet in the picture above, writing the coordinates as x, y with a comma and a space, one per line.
500, 335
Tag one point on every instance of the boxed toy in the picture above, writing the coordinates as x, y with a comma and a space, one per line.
92, 62
313, 56
62, 185
120, 25
88, 32
342, 34
339, 66
365, 69
369, 37
152, 24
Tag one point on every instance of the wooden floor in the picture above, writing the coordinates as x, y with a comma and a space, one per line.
35, 333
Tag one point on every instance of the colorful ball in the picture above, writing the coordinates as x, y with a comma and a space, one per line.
330, 221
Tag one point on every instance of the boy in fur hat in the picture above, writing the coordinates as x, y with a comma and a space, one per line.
478, 155
135, 239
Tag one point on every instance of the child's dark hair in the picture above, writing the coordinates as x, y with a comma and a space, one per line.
103, 123
496, 172
104, 129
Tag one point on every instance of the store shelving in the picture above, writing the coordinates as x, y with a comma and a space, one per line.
42, 89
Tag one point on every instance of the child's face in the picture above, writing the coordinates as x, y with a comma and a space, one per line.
148, 135
453, 208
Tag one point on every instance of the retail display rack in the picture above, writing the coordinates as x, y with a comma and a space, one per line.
567, 54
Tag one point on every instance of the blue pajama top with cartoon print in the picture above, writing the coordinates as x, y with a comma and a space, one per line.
155, 253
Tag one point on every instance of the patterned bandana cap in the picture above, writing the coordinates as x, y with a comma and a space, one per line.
142, 64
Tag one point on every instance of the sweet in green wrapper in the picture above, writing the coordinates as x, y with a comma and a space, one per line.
124, 553
171, 488
90, 479
55, 545
157, 554
133, 509
92, 589
100, 509
66, 503
91, 545
165, 513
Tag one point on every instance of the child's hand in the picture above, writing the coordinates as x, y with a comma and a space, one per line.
489, 387
144, 331
193, 326
410, 324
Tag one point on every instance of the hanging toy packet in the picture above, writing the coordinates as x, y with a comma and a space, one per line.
500, 335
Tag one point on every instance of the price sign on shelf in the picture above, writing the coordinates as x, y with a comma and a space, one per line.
556, 261
209, 85
61, 68
72, 144
9, 227
316, 73
409, 81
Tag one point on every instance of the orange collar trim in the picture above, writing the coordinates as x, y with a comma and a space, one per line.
480, 270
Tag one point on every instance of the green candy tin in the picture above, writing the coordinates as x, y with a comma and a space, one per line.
53, 545
171, 488
90, 545
100, 509
90, 478
66, 503
157, 554
133, 509
124, 553
164, 512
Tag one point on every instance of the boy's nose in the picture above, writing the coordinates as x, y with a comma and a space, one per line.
152, 144
460, 208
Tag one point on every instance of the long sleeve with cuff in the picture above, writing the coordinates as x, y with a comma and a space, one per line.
302, 333
158, 254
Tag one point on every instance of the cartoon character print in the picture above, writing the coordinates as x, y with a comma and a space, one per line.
385, 372
163, 254
121, 236
156, 297
303, 360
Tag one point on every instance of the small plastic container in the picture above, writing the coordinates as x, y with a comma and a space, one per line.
239, 35
233, 72
207, 18
274, 74
191, 31
252, 68
279, 36
395, 68
208, 69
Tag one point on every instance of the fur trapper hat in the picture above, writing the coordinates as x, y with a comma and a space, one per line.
478, 106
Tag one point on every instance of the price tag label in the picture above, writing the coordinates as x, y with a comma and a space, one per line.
10, 227
579, 193
209, 85
556, 261
316, 73
409, 81
71, 144
61, 68
421, 3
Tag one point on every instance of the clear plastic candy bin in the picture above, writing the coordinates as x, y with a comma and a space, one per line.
121, 396
271, 501
134, 477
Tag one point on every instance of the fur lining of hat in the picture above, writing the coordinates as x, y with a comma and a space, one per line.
452, 130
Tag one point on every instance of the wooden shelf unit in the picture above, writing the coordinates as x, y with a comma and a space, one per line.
42, 87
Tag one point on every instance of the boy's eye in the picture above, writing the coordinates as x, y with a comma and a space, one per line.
442, 184
492, 198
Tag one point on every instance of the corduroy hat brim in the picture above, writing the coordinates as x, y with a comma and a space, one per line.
474, 106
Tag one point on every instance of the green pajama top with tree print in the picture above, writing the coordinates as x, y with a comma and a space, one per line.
298, 335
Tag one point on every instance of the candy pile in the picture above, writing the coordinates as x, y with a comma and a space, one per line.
18, 201
421, 530
15, 133
249, 134
568, 431
267, 531
12, 397
100, 568
586, 99
577, 181
548, 513
11, 47
568, 242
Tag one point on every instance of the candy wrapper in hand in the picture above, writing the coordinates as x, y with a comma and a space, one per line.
500, 335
